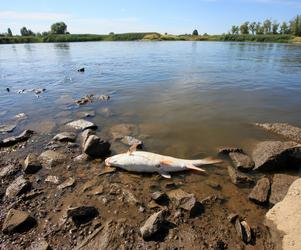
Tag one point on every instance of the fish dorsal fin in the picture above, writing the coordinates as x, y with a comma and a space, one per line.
163, 173
210, 160
133, 148
190, 166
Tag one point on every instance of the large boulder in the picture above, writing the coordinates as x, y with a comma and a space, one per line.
260, 192
280, 186
17, 221
96, 147
288, 131
274, 155
284, 219
153, 225
17, 187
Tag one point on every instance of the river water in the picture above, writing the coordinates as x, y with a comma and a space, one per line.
187, 98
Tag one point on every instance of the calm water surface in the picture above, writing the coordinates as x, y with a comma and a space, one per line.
187, 98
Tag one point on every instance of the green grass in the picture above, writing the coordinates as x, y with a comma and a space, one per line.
150, 36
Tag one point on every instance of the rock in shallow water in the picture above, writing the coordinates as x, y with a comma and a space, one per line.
260, 192
7, 128
274, 155
24, 136
65, 137
285, 217
82, 125
17, 221
280, 186
129, 140
284, 129
8, 171
238, 178
242, 161
95, 147
243, 230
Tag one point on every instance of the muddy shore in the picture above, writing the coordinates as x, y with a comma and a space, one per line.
57, 193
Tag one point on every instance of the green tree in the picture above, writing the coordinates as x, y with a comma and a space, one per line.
244, 28
267, 26
24, 31
295, 26
59, 28
259, 29
275, 27
9, 33
284, 29
195, 33
252, 27
235, 30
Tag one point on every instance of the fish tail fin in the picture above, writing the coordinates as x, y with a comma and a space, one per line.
191, 166
207, 161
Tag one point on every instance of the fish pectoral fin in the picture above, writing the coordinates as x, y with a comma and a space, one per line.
191, 166
133, 148
163, 173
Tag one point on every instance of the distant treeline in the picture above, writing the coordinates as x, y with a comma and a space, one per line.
268, 27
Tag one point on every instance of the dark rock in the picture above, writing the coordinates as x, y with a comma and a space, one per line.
17, 187
81, 70
7, 89
274, 155
83, 214
51, 158
153, 225
104, 97
280, 186
160, 197
82, 124
24, 136
238, 178
8, 171
228, 150
186, 201
288, 131
84, 100
84, 114
95, 147
260, 192
17, 221
243, 230
220, 245
7, 128
242, 161
65, 137
85, 135
31, 164
129, 140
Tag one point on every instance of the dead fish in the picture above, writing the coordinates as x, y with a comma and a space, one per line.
147, 162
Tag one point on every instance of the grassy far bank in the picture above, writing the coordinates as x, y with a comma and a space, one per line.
148, 37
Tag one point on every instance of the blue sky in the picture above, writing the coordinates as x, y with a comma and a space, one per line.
172, 16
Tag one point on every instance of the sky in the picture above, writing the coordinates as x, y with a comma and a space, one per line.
120, 16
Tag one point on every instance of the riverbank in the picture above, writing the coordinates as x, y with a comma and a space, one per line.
57, 192
146, 36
